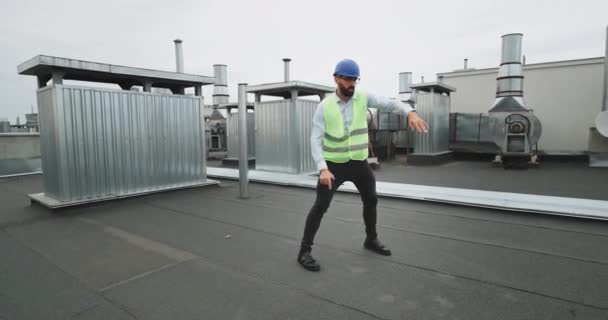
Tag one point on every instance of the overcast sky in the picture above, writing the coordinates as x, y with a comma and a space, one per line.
251, 37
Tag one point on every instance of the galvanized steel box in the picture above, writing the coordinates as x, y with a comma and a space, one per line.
102, 143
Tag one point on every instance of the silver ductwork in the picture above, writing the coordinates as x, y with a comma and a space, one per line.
179, 56
220, 86
509, 84
286, 67
516, 130
405, 82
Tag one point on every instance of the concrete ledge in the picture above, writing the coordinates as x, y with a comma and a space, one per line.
573, 207
52, 203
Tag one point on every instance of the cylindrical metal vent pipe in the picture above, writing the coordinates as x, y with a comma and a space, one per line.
220, 86
179, 56
286, 67
405, 81
510, 77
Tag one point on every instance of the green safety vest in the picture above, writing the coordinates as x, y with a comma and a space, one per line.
340, 146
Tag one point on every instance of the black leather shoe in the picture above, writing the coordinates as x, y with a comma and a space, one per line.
376, 246
308, 262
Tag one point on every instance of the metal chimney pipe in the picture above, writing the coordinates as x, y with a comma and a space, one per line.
179, 56
405, 82
510, 77
243, 159
465, 63
220, 86
286, 64
510, 80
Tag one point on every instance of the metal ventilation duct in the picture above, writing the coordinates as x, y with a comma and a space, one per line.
179, 56
220, 87
509, 89
405, 81
516, 130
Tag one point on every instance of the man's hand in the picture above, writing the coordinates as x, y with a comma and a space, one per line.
417, 123
326, 178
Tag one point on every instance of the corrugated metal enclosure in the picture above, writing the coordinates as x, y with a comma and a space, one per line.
232, 124
283, 127
99, 143
282, 136
304, 114
282, 144
272, 136
430, 106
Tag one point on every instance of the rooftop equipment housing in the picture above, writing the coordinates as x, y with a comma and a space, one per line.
433, 105
283, 127
101, 144
516, 128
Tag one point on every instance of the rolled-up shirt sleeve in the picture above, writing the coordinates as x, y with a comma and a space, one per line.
386, 104
316, 138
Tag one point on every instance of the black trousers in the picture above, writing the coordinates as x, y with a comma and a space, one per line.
362, 176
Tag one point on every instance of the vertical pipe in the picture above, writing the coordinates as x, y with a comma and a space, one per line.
605, 100
220, 86
466, 62
179, 56
243, 159
405, 81
510, 76
286, 64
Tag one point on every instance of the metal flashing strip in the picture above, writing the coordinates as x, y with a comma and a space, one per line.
20, 174
51, 203
573, 207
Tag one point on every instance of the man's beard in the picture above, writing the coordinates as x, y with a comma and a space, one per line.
347, 91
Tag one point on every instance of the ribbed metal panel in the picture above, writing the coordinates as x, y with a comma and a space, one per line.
305, 112
272, 136
49, 140
435, 109
5, 126
100, 143
232, 138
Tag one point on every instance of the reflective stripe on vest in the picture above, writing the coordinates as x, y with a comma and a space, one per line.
338, 145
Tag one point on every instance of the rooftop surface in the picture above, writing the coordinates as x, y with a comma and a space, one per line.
203, 253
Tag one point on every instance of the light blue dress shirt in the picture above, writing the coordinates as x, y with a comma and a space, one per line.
346, 107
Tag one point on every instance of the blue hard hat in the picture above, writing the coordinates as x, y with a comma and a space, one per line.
347, 68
